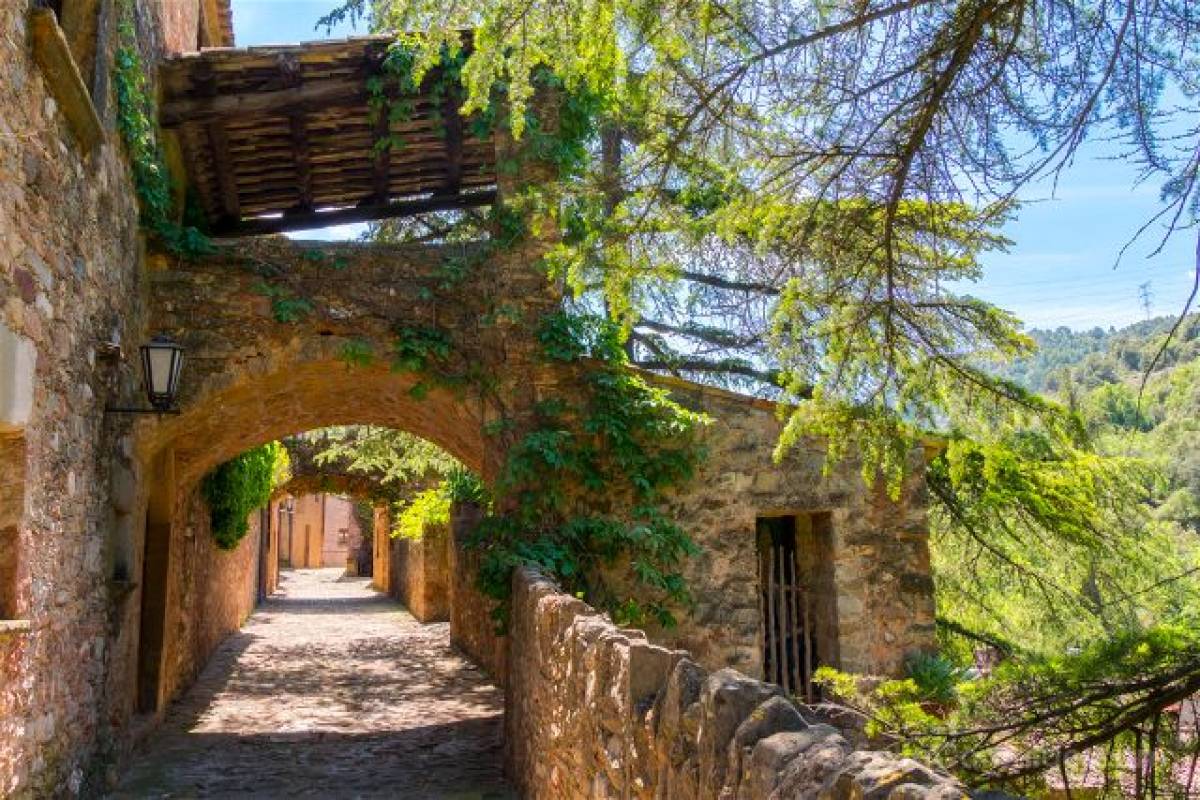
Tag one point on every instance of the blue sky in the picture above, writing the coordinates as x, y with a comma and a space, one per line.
1060, 269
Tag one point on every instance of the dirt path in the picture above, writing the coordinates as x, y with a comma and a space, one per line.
333, 691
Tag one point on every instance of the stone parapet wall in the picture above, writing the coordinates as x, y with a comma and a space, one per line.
597, 711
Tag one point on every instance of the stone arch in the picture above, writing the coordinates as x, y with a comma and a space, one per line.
253, 374
307, 394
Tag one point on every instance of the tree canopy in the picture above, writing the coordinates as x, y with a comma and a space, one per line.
778, 194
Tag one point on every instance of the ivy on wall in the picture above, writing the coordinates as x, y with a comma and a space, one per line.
581, 491
580, 494
136, 117
239, 486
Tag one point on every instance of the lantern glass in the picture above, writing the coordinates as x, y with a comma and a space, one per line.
162, 360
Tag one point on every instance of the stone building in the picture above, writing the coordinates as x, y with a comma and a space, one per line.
317, 530
75, 499
113, 593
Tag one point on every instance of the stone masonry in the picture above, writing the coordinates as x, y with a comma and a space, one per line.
112, 594
420, 573
600, 712
72, 494
257, 379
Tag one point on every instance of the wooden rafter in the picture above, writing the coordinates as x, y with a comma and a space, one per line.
284, 137
312, 96
453, 123
344, 216
218, 141
303, 160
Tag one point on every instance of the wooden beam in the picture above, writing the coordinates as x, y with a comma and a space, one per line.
382, 147
312, 96
321, 219
302, 159
218, 142
452, 119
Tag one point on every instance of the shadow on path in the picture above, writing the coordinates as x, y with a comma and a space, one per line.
330, 690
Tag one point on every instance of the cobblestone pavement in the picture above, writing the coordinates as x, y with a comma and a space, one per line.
330, 690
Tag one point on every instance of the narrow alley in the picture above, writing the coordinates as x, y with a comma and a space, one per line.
329, 690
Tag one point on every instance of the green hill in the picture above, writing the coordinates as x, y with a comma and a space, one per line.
1100, 373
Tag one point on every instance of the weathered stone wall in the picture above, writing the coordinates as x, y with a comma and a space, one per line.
472, 628
260, 378
596, 711
70, 279
251, 378
421, 573
212, 594
879, 560
73, 502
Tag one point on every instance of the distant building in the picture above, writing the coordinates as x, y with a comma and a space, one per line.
317, 530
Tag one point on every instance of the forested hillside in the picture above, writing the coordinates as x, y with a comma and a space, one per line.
1065, 545
1052, 539
1101, 373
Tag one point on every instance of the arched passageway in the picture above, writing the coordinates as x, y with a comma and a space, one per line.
331, 687
329, 690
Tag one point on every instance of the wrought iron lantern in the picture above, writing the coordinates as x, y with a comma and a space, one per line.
162, 359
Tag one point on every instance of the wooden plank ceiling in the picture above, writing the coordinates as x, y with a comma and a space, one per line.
281, 137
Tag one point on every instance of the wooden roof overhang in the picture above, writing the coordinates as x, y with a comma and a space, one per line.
282, 137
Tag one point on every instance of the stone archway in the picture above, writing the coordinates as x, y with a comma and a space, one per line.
285, 337
312, 390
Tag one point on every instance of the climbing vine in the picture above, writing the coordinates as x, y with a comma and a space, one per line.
581, 490
135, 122
240, 485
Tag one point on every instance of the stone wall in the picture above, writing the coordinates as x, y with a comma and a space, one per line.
472, 627
596, 711
262, 378
877, 587
70, 280
213, 593
874, 595
420, 573
73, 490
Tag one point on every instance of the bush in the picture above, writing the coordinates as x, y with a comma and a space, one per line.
935, 677
237, 487
430, 507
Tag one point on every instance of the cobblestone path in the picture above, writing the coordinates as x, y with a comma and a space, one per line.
333, 691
